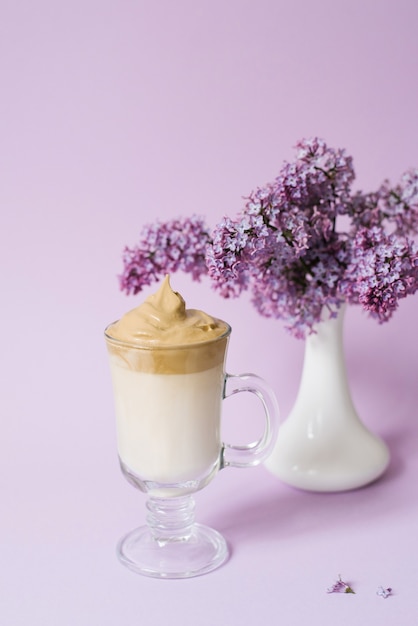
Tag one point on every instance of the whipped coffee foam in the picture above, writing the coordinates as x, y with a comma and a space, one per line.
163, 320
167, 338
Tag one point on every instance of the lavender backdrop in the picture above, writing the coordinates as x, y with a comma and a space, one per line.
113, 114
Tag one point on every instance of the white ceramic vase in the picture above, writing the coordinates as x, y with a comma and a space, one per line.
323, 445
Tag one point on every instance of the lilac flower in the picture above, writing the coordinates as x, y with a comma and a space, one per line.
289, 253
384, 593
165, 247
383, 269
287, 246
394, 208
294, 259
400, 204
340, 587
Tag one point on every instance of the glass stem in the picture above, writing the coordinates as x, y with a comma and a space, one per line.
171, 519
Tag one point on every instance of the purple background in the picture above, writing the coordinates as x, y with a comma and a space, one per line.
113, 113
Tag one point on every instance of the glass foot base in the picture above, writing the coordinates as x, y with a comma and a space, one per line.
202, 551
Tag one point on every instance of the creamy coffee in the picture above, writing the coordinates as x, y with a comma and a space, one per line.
167, 365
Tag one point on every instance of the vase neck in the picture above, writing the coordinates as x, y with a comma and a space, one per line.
327, 338
324, 369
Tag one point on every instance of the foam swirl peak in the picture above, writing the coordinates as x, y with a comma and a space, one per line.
163, 319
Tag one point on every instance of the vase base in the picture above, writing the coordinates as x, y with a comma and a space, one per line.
344, 470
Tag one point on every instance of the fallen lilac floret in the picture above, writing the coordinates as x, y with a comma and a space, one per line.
340, 587
384, 593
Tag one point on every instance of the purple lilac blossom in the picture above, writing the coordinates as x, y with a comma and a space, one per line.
284, 246
384, 593
395, 208
340, 587
287, 248
383, 269
165, 247
400, 204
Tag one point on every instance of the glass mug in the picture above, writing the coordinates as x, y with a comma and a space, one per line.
168, 413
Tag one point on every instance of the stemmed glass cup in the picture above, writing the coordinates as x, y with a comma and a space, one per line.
168, 412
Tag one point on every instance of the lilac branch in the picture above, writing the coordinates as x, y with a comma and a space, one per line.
285, 248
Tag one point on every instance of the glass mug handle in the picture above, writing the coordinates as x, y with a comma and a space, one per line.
254, 453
